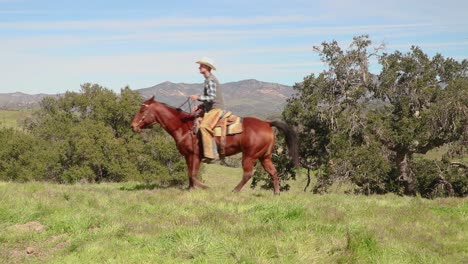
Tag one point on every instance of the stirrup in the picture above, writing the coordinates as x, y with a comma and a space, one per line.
208, 160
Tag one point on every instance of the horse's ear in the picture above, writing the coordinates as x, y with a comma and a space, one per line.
152, 98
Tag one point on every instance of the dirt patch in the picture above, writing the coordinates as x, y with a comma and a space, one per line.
31, 251
60, 241
19, 255
40, 251
13, 256
55, 238
31, 226
94, 230
60, 246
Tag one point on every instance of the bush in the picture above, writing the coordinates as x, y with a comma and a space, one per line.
440, 179
86, 137
24, 157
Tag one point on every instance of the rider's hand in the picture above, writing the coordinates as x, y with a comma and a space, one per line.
195, 108
194, 97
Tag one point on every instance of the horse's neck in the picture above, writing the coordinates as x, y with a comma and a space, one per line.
172, 121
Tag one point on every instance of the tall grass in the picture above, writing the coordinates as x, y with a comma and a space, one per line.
134, 223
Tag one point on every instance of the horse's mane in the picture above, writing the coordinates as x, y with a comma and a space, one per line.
184, 115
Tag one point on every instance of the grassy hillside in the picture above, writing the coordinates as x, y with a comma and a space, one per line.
438, 153
132, 223
11, 118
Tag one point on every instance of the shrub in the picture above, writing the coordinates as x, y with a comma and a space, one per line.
86, 137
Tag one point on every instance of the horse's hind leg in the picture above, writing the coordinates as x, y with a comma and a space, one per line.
247, 166
270, 168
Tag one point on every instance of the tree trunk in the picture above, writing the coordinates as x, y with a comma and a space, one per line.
406, 175
308, 179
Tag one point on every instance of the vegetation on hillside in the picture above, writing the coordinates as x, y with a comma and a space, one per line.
13, 118
86, 137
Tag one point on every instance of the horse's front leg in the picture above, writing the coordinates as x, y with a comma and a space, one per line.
193, 166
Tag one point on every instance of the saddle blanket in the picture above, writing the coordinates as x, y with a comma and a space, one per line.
234, 126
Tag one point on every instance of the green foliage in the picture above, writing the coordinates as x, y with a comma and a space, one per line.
440, 179
364, 129
154, 153
86, 137
427, 107
24, 157
362, 164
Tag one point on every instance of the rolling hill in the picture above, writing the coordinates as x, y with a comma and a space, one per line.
246, 97
17, 101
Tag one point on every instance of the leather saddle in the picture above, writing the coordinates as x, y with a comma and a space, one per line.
228, 124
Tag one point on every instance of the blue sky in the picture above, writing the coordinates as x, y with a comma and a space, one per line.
54, 46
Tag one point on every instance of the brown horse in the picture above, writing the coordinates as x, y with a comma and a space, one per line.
255, 142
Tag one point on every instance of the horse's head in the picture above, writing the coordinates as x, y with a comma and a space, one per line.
144, 117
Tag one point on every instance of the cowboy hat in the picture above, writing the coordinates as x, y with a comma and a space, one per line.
208, 62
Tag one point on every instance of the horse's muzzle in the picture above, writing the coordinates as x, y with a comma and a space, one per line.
136, 129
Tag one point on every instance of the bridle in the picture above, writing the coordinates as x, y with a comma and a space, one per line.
147, 105
145, 115
188, 133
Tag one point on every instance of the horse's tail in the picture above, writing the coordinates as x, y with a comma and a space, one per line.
291, 140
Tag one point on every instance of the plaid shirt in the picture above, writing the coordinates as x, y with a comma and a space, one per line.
209, 92
212, 96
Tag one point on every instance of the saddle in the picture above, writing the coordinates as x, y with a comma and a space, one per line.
229, 124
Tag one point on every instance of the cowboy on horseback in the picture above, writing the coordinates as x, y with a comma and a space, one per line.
212, 104
256, 140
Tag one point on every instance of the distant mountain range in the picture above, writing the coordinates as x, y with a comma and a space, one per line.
247, 97
15, 101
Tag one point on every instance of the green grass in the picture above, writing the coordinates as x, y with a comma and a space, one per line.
438, 153
11, 118
136, 223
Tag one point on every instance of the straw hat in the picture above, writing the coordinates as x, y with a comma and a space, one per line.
208, 62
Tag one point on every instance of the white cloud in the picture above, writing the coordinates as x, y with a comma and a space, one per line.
434, 11
10, 43
163, 22
426, 45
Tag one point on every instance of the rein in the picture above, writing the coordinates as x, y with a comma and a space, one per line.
190, 131
147, 105
184, 103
